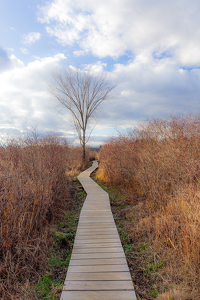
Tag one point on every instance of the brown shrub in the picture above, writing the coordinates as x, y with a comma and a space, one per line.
75, 163
34, 191
160, 163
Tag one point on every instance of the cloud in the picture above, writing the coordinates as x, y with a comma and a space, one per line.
110, 28
96, 68
24, 96
31, 38
154, 89
10, 49
148, 87
8, 62
26, 102
161, 76
4, 60
24, 50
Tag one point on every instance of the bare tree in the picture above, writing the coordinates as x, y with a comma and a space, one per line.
81, 93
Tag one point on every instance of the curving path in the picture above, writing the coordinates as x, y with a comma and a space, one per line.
98, 269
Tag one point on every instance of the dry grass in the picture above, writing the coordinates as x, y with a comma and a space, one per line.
34, 192
159, 162
74, 161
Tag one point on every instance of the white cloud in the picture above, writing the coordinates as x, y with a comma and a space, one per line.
31, 38
15, 62
98, 67
8, 63
147, 87
10, 49
110, 28
24, 50
162, 39
24, 96
154, 89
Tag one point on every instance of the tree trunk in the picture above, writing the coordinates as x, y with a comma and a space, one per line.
83, 143
83, 152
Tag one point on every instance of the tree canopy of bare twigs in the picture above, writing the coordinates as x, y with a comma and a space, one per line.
81, 92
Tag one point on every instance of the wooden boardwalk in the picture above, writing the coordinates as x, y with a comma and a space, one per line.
98, 269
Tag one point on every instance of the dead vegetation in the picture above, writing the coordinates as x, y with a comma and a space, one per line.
35, 183
157, 168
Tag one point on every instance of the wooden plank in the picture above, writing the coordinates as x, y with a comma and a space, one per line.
96, 225
96, 233
97, 285
98, 268
98, 295
86, 220
101, 211
97, 250
99, 202
97, 255
96, 230
100, 246
98, 261
97, 241
94, 218
98, 276
93, 231
93, 205
97, 208
95, 236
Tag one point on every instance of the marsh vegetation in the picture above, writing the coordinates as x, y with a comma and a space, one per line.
156, 171
38, 200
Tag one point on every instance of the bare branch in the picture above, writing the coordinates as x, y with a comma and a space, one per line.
81, 93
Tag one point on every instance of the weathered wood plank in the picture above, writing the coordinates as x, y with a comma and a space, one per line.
97, 285
99, 268
98, 295
97, 245
98, 276
95, 236
96, 226
98, 261
97, 255
97, 230
97, 241
97, 250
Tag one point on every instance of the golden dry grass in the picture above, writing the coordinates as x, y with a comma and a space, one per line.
34, 193
160, 163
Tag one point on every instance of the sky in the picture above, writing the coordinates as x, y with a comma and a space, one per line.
151, 48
